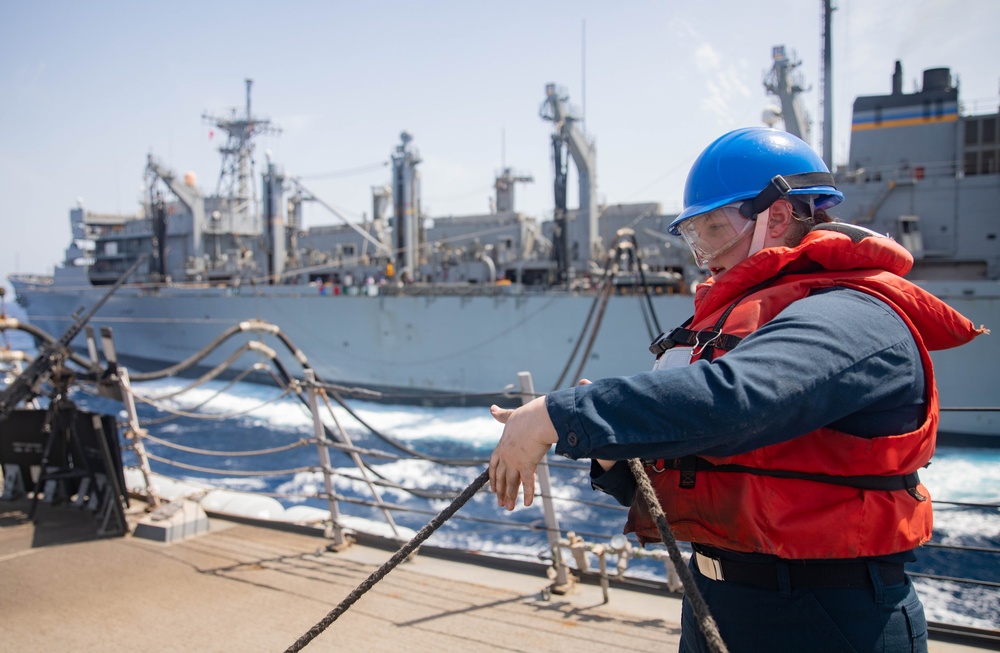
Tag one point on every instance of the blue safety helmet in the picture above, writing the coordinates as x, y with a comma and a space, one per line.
756, 164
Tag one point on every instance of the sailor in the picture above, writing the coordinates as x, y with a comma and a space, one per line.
783, 426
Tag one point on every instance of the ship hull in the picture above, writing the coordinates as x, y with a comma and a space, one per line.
457, 348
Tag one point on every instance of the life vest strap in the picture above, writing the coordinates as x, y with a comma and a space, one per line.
689, 466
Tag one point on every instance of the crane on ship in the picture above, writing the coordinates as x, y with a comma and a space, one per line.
574, 246
186, 190
784, 83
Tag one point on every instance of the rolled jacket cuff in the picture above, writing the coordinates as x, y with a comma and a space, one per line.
573, 441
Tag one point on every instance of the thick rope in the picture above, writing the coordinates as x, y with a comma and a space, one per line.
705, 621
401, 555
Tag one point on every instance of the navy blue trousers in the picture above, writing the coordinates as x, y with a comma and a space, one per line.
882, 618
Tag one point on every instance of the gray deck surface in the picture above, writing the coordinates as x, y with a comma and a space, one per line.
248, 588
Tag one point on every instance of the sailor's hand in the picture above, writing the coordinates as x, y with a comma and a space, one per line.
528, 434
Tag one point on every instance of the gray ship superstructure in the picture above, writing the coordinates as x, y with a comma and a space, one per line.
403, 302
442, 308
926, 173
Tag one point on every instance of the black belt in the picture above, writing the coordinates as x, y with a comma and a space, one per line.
764, 574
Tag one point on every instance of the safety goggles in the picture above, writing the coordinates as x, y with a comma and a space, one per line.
714, 233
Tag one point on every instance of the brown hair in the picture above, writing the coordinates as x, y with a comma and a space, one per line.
802, 222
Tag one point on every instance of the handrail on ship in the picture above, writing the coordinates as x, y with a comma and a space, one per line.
570, 553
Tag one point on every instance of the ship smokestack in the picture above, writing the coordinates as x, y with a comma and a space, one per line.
897, 79
274, 222
937, 79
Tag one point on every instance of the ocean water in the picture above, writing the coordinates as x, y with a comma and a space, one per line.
248, 417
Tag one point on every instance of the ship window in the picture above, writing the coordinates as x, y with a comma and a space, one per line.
349, 250
990, 130
878, 115
927, 109
971, 132
989, 163
970, 163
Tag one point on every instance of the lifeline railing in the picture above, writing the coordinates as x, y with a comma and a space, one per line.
570, 552
563, 545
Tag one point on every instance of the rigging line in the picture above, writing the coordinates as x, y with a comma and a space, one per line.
285, 380
646, 321
402, 554
210, 376
965, 504
231, 472
209, 452
451, 198
381, 481
956, 579
374, 453
364, 393
194, 359
583, 330
334, 439
645, 291
205, 489
683, 162
459, 462
705, 621
346, 172
598, 319
958, 547
356, 260
505, 524
220, 416
584, 502
359, 463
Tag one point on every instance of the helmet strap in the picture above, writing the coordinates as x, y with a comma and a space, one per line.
780, 186
759, 232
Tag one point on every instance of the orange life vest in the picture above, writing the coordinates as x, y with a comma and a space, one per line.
820, 495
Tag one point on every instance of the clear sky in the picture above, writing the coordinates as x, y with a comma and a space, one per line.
88, 88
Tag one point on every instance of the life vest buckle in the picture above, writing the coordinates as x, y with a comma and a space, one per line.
657, 466
662, 343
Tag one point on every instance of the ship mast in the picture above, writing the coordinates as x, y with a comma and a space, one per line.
237, 174
827, 73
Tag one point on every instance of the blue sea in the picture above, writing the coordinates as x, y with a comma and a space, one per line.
245, 417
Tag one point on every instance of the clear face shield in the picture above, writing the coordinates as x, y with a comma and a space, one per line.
714, 233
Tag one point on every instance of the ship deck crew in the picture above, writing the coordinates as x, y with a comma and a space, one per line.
784, 425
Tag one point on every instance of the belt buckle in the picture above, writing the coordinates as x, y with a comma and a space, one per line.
709, 567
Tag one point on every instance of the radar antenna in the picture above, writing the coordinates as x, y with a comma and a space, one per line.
237, 174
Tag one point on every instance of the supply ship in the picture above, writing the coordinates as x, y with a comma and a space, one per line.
446, 310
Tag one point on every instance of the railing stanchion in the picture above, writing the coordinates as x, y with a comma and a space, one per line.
563, 582
336, 530
135, 433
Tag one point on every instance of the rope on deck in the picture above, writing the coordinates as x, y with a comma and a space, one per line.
705, 621
398, 557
